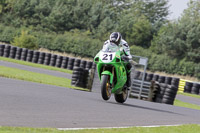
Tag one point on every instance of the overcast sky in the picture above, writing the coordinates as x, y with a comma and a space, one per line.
177, 7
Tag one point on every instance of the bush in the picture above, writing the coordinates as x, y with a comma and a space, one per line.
7, 33
25, 41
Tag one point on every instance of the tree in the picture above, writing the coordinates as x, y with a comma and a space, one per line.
180, 39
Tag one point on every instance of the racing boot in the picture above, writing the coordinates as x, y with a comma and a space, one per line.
128, 82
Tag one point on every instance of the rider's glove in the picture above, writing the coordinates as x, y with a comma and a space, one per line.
125, 58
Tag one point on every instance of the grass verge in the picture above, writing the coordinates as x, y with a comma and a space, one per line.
193, 128
35, 77
186, 105
190, 95
35, 65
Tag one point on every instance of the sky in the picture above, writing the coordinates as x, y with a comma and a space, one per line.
177, 7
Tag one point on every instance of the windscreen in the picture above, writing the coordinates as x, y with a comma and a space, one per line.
111, 47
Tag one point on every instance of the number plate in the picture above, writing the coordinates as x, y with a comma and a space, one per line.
107, 57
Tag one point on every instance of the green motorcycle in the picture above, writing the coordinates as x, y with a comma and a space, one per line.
112, 73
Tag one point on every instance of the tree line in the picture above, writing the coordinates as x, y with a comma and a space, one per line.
72, 25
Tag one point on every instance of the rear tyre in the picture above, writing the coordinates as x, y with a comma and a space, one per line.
105, 87
121, 98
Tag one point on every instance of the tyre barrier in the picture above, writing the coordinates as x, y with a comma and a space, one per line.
175, 82
2, 46
161, 79
41, 58
64, 62
79, 77
29, 56
53, 60
6, 52
24, 54
83, 64
18, 53
165, 93
59, 61
77, 63
47, 58
149, 77
168, 80
155, 77
160, 89
88, 65
70, 64
195, 88
35, 56
13, 52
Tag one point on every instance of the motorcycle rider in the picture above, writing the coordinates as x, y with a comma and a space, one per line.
116, 38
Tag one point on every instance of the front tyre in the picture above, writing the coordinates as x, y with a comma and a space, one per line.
105, 87
121, 98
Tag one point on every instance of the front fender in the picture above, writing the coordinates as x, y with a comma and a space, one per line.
108, 73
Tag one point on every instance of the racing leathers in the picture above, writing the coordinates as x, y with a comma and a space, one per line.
125, 48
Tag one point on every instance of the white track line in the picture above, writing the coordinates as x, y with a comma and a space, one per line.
116, 127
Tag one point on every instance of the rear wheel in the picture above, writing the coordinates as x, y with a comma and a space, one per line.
105, 87
121, 98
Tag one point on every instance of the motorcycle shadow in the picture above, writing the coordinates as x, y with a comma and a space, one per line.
143, 107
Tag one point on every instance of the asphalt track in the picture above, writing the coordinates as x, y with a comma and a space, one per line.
28, 104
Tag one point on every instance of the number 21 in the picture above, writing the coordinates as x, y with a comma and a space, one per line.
106, 57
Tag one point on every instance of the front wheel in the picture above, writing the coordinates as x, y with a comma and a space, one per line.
105, 87
121, 98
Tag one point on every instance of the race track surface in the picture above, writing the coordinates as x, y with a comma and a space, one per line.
28, 104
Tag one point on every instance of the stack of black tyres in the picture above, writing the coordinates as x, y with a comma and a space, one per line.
168, 80
155, 77
79, 77
7, 51
166, 93
53, 60
2, 49
188, 87
77, 63
149, 77
70, 64
12, 52
88, 65
47, 58
175, 82
35, 56
18, 53
59, 61
64, 62
44, 58
41, 58
83, 64
24, 54
161, 79
29, 56
195, 88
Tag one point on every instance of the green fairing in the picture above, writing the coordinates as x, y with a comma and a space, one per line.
108, 73
119, 67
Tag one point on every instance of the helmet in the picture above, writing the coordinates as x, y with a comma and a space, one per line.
115, 37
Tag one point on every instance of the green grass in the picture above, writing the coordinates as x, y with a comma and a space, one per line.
35, 77
163, 129
190, 95
35, 65
186, 105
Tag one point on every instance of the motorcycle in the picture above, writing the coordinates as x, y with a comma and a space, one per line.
112, 73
